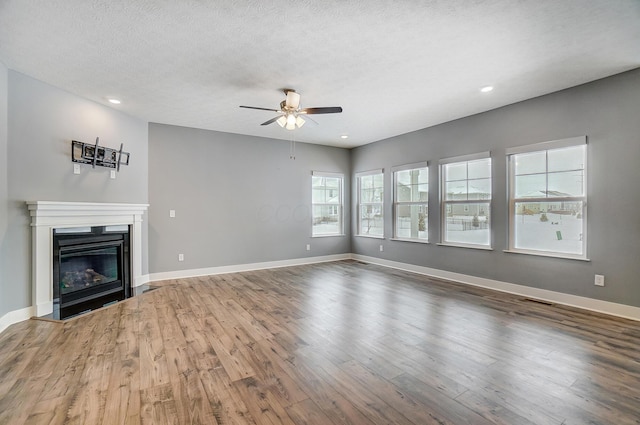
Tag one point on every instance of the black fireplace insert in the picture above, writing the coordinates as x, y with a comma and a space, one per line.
91, 268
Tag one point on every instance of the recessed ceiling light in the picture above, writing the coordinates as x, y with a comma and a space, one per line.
344, 136
114, 101
486, 89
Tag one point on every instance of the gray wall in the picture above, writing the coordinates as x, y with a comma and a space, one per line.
238, 199
4, 188
607, 112
42, 121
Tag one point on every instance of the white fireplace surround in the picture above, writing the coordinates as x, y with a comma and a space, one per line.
49, 215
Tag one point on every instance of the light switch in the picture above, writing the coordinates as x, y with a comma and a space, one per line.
76, 168
172, 213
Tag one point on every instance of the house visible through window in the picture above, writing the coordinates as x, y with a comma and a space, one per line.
466, 200
370, 203
327, 204
547, 198
410, 197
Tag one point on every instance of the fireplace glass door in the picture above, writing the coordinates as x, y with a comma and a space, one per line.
85, 268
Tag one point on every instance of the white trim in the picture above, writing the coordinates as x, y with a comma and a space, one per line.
591, 304
465, 158
181, 274
327, 174
463, 245
551, 254
141, 280
405, 167
424, 241
15, 316
544, 146
369, 173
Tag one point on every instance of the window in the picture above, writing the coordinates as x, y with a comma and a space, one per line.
370, 203
410, 202
547, 198
466, 200
326, 204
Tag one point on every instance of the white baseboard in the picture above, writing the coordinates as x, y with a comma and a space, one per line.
15, 316
141, 280
606, 307
180, 274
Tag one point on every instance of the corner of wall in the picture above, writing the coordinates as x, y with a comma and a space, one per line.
4, 186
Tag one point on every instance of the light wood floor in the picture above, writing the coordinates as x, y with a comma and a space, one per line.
334, 343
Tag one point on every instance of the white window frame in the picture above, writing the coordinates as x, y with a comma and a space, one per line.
360, 203
446, 204
340, 204
397, 204
512, 201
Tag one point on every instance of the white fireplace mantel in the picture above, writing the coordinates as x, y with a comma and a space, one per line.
49, 215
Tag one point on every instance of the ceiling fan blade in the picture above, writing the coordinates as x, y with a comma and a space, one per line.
272, 120
327, 110
262, 109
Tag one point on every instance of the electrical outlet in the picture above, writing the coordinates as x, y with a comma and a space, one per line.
172, 213
180, 257
308, 247
381, 248
599, 280
113, 174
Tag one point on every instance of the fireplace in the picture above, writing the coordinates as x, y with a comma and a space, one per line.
91, 268
49, 217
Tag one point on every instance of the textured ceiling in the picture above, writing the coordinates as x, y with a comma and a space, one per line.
394, 66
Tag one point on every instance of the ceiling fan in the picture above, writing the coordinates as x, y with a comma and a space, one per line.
290, 113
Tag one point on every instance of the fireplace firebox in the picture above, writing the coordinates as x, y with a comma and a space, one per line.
91, 268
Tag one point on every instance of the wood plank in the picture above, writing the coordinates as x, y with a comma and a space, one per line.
157, 406
306, 412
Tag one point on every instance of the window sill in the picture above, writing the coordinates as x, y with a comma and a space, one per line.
409, 240
370, 236
329, 236
543, 254
480, 247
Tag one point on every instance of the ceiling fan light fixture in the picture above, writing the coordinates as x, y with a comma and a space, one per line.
290, 122
300, 122
282, 121
293, 100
